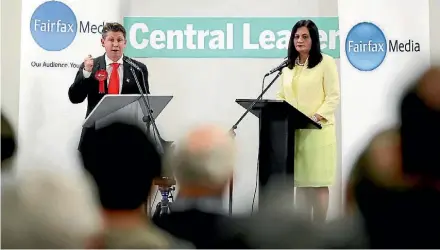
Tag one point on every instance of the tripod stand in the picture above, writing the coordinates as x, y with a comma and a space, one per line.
164, 206
165, 186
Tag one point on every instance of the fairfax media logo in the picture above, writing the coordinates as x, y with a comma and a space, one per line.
54, 26
366, 46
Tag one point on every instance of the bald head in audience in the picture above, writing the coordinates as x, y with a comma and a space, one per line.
204, 160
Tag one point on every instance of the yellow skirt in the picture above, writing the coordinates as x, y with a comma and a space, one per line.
315, 157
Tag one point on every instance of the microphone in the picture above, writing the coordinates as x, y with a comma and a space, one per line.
284, 64
135, 66
148, 113
132, 64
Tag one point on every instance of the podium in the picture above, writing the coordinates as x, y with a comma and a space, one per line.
129, 109
124, 108
278, 122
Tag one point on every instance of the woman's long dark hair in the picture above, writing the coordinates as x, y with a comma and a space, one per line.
315, 56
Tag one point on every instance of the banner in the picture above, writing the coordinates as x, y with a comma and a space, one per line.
384, 44
55, 38
221, 37
57, 35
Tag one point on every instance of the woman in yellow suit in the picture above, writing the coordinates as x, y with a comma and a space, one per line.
310, 83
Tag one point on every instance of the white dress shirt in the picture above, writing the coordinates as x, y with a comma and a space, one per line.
109, 68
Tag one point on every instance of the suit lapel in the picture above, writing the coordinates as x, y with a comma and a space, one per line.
287, 82
288, 76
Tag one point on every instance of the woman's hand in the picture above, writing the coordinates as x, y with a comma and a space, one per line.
317, 117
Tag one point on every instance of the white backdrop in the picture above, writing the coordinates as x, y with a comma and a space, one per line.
204, 89
48, 122
369, 98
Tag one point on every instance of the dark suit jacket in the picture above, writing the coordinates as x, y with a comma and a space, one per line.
83, 88
204, 230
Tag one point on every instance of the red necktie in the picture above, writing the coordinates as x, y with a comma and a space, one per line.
113, 87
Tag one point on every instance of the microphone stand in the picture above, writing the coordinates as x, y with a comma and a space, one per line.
234, 127
148, 113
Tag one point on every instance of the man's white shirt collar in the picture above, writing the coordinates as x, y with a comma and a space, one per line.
108, 61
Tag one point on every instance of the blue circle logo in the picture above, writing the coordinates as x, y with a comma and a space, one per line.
53, 26
366, 46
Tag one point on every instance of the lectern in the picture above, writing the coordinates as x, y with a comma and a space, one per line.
278, 122
124, 108
130, 110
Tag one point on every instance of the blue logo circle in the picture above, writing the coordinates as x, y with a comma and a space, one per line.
366, 46
53, 26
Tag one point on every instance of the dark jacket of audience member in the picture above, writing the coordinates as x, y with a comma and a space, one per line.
278, 225
395, 183
420, 135
397, 210
8, 143
205, 230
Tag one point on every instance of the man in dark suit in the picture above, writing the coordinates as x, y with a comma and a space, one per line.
113, 66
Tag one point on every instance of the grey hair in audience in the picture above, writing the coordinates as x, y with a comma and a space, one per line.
48, 206
206, 156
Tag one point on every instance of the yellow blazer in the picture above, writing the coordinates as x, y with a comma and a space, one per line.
312, 91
